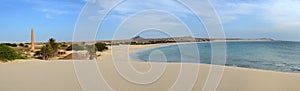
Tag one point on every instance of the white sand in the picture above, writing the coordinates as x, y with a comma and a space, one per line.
60, 76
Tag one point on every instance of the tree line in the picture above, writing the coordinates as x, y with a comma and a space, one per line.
51, 48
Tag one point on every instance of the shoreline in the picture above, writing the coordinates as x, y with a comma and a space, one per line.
233, 78
60, 75
133, 57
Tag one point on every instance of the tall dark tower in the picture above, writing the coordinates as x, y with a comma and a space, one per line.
32, 40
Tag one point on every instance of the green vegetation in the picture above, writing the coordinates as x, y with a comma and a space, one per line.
101, 47
53, 45
14, 45
46, 52
150, 42
138, 43
11, 45
36, 53
64, 45
75, 47
21, 44
8, 54
49, 49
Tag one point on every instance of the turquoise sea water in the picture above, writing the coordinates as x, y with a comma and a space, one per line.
276, 56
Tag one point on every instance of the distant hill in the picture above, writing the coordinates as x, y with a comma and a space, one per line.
137, 38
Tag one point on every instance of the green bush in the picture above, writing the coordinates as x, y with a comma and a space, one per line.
9, 44
21, 44
64, 45
8, 54
101, 47
47, 52
36, 53
75, 47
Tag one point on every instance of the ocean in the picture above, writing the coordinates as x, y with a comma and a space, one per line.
282, 56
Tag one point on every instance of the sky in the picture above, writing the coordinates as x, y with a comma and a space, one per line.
277, 19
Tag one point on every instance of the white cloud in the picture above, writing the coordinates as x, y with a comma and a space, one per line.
283, 13
51, 13
48, 16
54, 8
280, 14
230, 11
276, 14
280, 18
54, 11
130, 7
156, 20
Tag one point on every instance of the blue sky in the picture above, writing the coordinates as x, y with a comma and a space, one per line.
278, 19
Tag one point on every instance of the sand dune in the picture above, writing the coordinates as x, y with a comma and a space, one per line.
61, 76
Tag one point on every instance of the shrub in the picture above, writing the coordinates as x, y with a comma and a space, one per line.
37, 53
75, 47
14, 45
21, 44
101, 47
49, 49
8, 54
46, 52
64, 45
9, 44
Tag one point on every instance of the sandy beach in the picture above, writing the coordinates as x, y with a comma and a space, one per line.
61, 75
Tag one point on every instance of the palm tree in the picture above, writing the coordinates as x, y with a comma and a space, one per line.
46, 52
54, 46
50, 49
